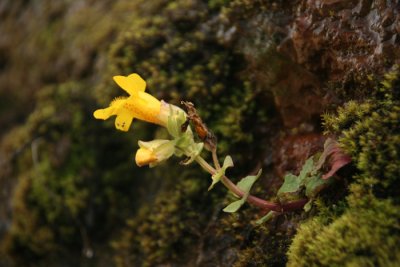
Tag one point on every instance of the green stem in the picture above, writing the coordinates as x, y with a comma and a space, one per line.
261, 203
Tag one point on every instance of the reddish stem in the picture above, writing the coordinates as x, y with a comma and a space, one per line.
263, 204
258, 202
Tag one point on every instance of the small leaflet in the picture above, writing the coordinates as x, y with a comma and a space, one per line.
245, 185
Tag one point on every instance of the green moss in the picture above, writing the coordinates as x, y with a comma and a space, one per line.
367, 232
369, 132
182, 58
165, 229
264, 247
64, 190
366, 235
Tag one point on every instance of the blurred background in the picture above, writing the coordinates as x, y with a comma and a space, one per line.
261, 74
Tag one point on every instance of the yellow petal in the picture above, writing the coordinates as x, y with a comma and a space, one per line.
118, 102
151, 101
131, 84
123, 120
144, 156
104, 114
144, 107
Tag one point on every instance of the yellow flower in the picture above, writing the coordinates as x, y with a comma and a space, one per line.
145, 107
139, 104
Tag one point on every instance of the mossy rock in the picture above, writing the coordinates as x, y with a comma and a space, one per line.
245, 64
369, 132
365, 235
367, 232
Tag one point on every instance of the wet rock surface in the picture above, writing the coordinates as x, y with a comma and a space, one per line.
344, 41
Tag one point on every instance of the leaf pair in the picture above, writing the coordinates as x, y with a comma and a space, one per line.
228, 162
309, 183
245, 185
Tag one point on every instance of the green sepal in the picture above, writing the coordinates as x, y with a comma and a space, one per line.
176, 118
228, 162
185, 145
152, 145
193, 151
163, 149
185, 140
164, 152
245, 185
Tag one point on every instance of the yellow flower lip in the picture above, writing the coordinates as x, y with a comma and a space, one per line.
139, 104
145, 156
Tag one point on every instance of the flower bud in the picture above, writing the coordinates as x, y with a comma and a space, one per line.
144, 157
153, 152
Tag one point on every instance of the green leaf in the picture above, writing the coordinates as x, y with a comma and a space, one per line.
315, 184
293, 184
247, 182
290, 185
245, 185
266, 218
228, 162
306, 170
234, 206
307, 207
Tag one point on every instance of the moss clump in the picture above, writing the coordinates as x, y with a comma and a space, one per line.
166, 228
370, 133
265, 247
365, 235
62, 192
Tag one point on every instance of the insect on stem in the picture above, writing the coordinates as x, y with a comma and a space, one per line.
208, 138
